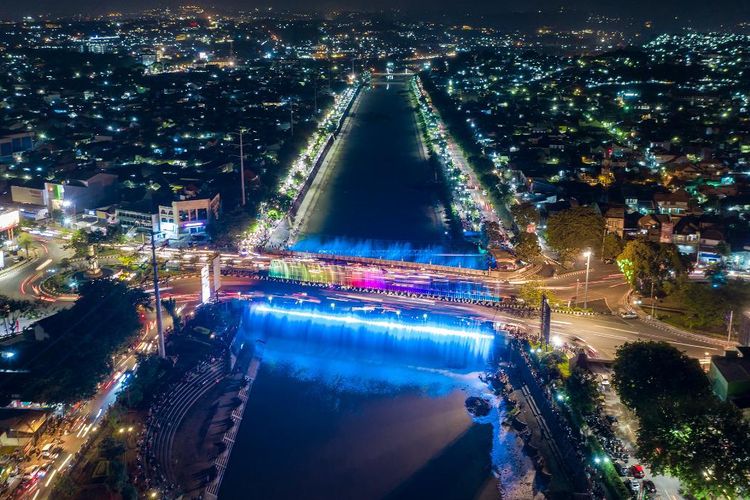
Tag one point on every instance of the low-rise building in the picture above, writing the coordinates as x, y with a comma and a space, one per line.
188, 219
20, 427
730, 378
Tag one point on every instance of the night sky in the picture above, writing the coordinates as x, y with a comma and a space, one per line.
700, 11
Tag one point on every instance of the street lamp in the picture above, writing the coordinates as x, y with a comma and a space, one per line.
586, 254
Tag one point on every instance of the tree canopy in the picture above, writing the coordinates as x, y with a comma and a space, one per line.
524, 214
571, 231
707, 306
77, 356
684, 430
527, 248
612, 247
645, 263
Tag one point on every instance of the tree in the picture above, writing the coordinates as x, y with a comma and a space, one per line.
82, 341
524, 214
81, 240
571, 231
143, 383
25, 241
532, 291
170, 305
645, 263
612, 247
582, 390
13, 310
527, 248
649, 368
707, 306
685, 430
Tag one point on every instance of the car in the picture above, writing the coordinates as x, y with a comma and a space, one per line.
649, 487
628, 315
621, 469
637, 471
634, 486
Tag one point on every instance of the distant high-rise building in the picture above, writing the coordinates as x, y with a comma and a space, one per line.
102, 44
148, 57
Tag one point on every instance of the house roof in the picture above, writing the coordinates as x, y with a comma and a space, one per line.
733, 369
676, 197
22, 420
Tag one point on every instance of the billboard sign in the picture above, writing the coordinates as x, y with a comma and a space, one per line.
205, 285
546, 319
9, 220
216, 263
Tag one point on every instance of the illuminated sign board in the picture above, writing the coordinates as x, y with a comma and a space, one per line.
216, 263
9, 220
205, 285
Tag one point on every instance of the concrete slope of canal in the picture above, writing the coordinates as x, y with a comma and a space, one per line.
378, 193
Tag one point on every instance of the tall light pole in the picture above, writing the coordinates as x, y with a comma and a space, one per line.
653, 302
157, 300
586, 254
729, 328
242, 170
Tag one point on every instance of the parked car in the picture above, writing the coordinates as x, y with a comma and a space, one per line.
637, 471
634, 486
621, 469
649, 487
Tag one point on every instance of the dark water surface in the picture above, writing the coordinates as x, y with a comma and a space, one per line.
381, 191
343, 411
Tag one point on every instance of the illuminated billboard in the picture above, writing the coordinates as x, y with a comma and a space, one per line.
9, 220
205, 285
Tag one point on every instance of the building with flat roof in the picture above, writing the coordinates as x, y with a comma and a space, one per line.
730, 378
188, 219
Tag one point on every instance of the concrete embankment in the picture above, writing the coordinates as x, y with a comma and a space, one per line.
247, 364
287, 232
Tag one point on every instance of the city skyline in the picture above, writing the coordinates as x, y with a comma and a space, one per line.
445, 253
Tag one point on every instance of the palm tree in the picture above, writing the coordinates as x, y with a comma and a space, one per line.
25, 241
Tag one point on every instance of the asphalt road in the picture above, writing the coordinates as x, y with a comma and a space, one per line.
602, 333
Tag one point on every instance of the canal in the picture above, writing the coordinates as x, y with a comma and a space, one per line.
369, 404
378, 195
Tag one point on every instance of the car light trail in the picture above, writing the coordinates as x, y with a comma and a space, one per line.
354, 320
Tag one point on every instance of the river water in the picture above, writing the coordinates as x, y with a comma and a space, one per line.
381, 197
366, 405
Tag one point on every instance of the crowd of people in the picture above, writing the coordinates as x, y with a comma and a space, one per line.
570, 440
152, 467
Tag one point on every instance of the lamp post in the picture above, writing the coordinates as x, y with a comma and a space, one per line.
586, 254
653, 302
157, 300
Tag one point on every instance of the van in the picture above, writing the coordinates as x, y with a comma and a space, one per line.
47, 450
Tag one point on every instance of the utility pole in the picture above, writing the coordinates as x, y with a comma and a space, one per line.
242, 170
653, 302
729, 329
157, 300
578, 284
587, 254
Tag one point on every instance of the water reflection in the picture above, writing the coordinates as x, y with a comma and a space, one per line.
369, 404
